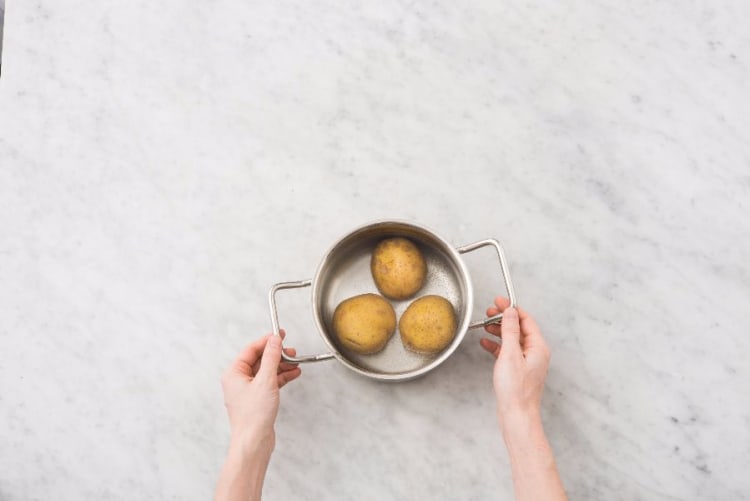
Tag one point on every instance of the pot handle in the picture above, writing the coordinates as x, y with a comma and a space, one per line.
496, 319
275, 322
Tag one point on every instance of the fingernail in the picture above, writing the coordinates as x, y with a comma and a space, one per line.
510, 312
274, 341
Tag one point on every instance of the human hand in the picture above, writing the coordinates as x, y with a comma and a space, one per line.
251, 392
521, 366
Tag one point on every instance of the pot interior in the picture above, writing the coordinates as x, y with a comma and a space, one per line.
345, 272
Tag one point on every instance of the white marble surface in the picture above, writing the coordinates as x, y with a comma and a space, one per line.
163, 163
2, 18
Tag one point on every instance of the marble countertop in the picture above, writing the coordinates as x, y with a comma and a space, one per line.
2, 18
162, 164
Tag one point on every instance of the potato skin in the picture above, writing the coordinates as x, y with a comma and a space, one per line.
364, 323
428, 325
398, 268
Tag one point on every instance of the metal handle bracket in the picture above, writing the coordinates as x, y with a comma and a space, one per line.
495, 319
275, 322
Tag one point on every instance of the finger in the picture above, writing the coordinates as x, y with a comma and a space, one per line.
493, 329
524, 315
528, 325
538, 354
256, 364
502, 302
490, 346
511, 333
530, 332
532, 341
531, 335
287, 376
249, 355
287, 366
269, 363
283, 366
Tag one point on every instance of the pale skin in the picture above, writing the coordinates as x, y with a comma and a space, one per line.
522, 360
251, 395
251, 387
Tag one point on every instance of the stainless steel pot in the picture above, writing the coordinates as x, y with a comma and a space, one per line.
345, 272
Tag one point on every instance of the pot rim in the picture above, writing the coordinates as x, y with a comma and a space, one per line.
468, 302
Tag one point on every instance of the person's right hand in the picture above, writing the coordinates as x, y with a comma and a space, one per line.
251, 392
522, 362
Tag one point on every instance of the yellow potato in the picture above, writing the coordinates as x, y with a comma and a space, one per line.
428, 325
398, 268
364, 323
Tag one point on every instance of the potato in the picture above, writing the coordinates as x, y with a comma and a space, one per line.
428, 325
364, 323
398, 268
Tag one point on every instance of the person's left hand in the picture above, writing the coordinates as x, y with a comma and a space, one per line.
251, 392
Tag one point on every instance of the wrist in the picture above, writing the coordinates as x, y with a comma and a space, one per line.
531, 458
243, 472
520, 425
252, 446
249, 460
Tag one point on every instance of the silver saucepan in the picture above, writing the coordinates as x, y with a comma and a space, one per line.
345, 272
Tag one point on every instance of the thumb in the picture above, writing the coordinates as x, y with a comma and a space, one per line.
269, 364
510, 330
